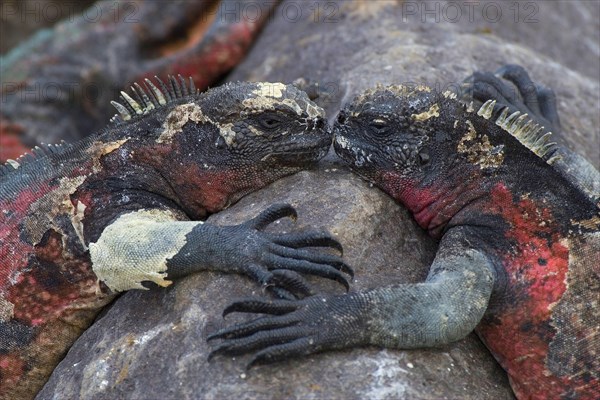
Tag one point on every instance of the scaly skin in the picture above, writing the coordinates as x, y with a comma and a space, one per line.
58, 84
123, 210
519, 255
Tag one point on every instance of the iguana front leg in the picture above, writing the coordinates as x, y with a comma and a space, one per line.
155, 245
445, 308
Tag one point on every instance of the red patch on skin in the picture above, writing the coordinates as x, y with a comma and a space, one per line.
36, 302
12, 368
47, 286
14, 252
433, 206
420, 201
536, 267
203, 190
536, 270
54, 281
211, 191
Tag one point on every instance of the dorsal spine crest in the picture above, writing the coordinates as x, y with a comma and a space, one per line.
140, 102
527, 132
37, 152
144, 100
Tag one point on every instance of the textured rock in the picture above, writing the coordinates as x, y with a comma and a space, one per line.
151, 344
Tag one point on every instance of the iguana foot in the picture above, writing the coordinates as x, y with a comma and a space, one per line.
292, 328
512, 87
274, 260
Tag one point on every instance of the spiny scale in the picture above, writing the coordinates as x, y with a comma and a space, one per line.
35, 153
139, 103
530, 134
142, 101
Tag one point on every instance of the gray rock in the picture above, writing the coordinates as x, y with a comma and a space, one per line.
151, 344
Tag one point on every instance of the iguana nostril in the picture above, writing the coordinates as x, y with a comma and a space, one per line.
342, 117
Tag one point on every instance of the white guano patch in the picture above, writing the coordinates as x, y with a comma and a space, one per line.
7, 309
342, 141
449, 94
44, 212
269, 89
99, 149
261, 103
77, 221
479, 150
177, 119
136, 248
387, 377
269, 95
434, 111
227, 133
314, 111
184, 113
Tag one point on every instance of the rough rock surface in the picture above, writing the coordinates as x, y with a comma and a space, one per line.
151, 344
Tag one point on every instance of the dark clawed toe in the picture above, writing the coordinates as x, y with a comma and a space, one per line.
308, 239
259, 274
504, 91
298, 347
265, 278
311, 256
486, 86
258, 306
291, 281
306, 267
272, 214
260, 339
547, 100
517, 75
281, 293
251, 327
520, 78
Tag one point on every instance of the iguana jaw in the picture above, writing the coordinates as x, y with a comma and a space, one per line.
205, 192
303, 150
394, 139
203, 188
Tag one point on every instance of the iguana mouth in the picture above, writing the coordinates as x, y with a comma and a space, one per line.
300, 152
297, 157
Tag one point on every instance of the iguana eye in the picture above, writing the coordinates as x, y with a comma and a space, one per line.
269, 121
379, 126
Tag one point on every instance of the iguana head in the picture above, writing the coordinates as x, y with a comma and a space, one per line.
219, 145
415, 144
392, 130
268, 125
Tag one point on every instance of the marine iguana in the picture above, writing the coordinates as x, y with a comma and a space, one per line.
57, 85
519, 229
122, 209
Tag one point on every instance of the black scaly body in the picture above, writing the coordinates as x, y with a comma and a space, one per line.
123, 209
518, 219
